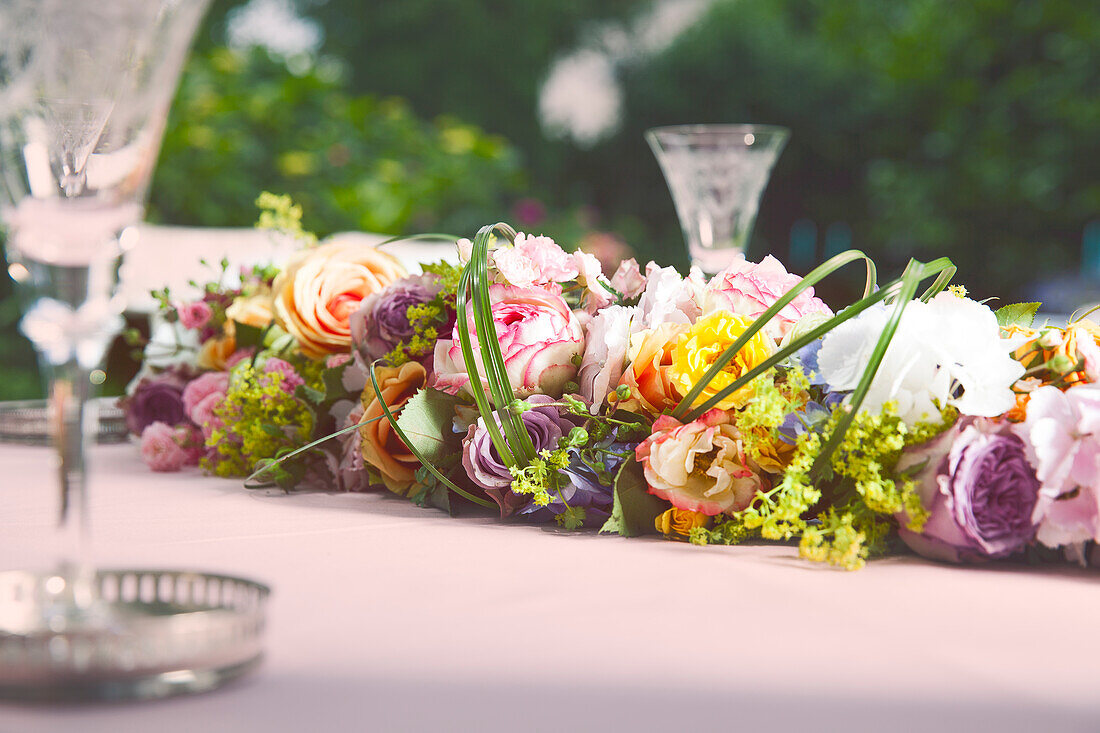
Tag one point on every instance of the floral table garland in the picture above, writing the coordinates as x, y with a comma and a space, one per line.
530, 382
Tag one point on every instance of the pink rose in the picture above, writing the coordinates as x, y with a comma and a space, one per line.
197, 402
238, 356
749, 289
699, 466
190, 440
194, 315
204, 416
539, 337
159, 448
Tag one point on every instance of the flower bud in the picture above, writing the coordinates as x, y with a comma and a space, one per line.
577, 437
1050, 338
1060, 364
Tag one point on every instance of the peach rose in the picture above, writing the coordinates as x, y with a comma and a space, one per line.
381, 447
700, 466
215, 352
652, 389
255, 310
320, 288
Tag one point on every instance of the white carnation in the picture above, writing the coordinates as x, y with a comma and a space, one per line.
945, 352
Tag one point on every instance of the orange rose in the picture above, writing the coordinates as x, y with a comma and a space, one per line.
652, 390
320, 288
215, 352
381, 447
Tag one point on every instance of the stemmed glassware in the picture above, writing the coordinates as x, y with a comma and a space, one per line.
85, 87
716, 174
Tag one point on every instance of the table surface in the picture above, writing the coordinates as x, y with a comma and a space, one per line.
385, 616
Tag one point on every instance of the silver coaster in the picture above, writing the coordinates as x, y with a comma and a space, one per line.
147, 634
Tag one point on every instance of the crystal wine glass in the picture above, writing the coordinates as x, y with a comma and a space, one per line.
85, 87
716, 174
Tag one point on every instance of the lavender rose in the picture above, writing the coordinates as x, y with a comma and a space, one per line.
157, 398
979, 489
382, 322
544, 424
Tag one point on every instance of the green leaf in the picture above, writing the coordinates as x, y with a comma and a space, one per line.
635, 508
248, 336
1017, 314
309, 395
332, 379
426, 420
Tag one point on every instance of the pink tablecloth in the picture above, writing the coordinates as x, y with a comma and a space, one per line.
390, 617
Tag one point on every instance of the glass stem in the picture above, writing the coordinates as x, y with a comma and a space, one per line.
69, 387
72, 420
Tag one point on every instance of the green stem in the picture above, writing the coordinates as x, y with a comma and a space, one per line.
476, 387
848, 313
915, 273
497, 372
268, 466
816, 275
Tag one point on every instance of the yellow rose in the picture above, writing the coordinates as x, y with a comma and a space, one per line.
704, 342
381, 446
679, 522
255, 310
320, 288
215, 352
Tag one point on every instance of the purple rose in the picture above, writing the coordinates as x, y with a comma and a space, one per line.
979, 489
544, 424
157, 398
583, 487
382, 321
351, 472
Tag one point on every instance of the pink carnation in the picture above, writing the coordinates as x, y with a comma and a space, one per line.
534, 262
749, 289
337, 360
628, 279
194, 315
159, 448
1062, 437
291, 378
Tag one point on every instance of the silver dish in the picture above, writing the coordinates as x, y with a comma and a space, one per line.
27, 421
146, 634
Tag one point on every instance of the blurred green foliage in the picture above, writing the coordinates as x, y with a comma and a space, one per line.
241, 123
929, 126
925, 127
